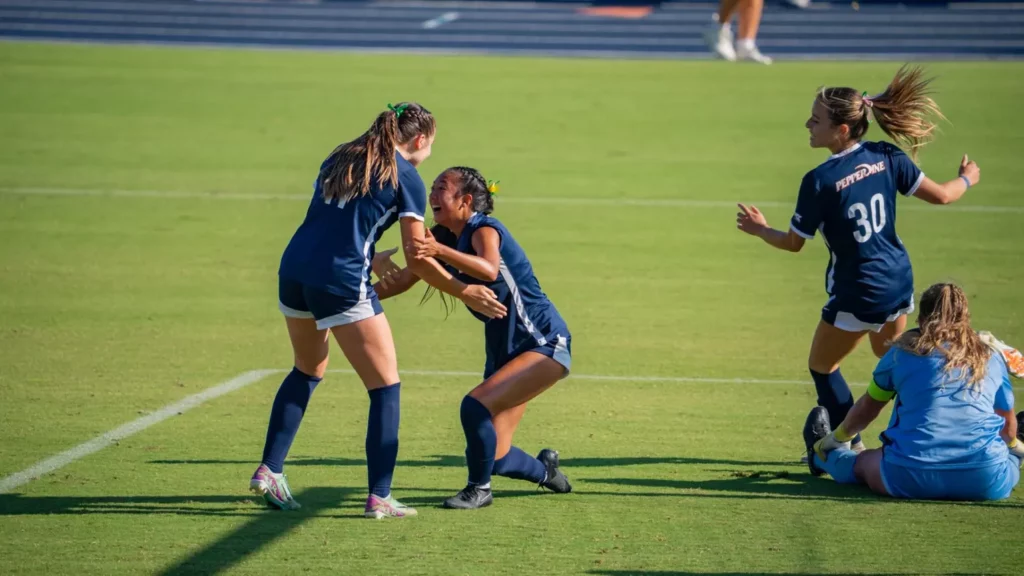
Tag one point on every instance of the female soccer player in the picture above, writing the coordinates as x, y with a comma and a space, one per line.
527, 352
363, 187
851, 198
952, 435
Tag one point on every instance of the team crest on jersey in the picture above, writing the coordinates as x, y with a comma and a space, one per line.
861, 172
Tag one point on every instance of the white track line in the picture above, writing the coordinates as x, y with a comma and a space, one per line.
441, 20
135, 426
554, 200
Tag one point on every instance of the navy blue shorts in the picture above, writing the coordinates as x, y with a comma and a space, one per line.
989, 483
859, 322
558, 348
297, 300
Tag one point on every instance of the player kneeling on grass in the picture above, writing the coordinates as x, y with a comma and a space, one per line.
953, 435
528, 351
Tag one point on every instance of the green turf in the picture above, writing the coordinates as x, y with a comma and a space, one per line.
111, 307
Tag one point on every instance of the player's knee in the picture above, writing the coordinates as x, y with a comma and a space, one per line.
312, 366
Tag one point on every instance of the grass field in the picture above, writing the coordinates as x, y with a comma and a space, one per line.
114, 305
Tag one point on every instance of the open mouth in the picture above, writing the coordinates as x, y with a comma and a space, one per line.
435, 208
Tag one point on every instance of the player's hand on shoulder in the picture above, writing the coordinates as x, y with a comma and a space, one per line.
750, 220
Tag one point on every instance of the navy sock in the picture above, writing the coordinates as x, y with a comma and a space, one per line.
382, 438
521, 466
835, 396
481, 440
285, 417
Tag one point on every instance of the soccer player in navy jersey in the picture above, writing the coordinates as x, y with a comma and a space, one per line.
851, 199
527, 351
952, 434
363, 188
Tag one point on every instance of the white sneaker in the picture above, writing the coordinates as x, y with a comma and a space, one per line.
750, 53
719, 40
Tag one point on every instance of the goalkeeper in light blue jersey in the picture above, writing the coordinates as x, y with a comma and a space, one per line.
953, 434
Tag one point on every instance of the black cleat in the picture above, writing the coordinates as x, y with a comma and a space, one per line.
816, 428
470, 498
554, 480
1020, 425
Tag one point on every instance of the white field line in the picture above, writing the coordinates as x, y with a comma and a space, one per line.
135, 426
552, 200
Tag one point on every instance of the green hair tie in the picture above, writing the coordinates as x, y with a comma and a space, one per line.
398, 109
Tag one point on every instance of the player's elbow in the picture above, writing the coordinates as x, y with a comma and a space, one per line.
490, 274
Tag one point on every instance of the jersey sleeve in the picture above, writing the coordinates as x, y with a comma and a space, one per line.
883, 387
807, 216
412, 196
908, 176
1004, 396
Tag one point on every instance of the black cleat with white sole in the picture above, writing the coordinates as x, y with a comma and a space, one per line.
554, 480
470, 498
816, 428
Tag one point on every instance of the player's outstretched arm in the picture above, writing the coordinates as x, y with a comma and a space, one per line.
750, 220
933, 192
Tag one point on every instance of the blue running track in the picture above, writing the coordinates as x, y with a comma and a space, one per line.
968, 31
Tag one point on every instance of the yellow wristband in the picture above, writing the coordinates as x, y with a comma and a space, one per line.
841, 435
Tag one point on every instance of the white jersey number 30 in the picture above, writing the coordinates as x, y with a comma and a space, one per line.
859, 212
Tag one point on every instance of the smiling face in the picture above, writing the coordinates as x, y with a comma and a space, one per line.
451, 207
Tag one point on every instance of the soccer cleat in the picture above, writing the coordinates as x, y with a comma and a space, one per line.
470, 498
752, 54
378, 508
719, 40
273, 488
816, 427
554, 480
1020, 425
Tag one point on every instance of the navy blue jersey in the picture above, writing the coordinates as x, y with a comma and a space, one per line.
851, 198
532, 319
334, 245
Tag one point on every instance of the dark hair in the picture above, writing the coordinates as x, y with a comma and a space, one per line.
471, 183
902, 111
369, 160
945, 327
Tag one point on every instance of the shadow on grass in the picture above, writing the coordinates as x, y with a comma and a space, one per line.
675, 573
459, 461
771, 485
315, 501
260, 531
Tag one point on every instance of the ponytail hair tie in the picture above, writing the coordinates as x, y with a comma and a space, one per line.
492, 186
398, 109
